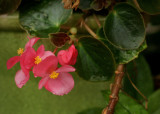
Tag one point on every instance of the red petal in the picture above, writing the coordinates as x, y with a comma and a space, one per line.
43, 82
21, 78
45, 67
47, 54
12, 61
61, 85
66, 68
40, 51
31, 42
27, 60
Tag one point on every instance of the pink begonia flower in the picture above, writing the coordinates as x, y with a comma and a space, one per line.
68, 57
56, 80
20, 77
31, 58
12, 61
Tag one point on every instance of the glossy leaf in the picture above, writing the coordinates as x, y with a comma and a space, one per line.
124, 27
95, 61
8, 6
125, 105
40, 18
150, 6
154, 103
59, 39
140, 75
121, 56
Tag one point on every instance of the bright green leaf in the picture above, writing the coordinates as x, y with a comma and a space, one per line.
125, 105
95, 61
8, 6
43, 17
154, 103
121, 56
140, 75
124, 27
150, 6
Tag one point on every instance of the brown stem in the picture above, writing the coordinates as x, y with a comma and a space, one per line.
89, 29
119, 73
97, 21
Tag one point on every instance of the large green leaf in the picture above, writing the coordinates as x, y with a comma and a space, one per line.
125, 105
124, 27
140, 75
8, 6
150, 6
95, 61
96, 110
154, 103
121, 56
40, 18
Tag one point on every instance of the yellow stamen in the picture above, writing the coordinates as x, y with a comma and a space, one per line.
37, 60
54, 75
20, 51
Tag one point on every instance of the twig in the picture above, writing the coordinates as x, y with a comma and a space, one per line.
145, 98
97, 21
89, 29
119, 73
137, 5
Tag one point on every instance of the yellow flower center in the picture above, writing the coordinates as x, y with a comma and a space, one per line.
54, 75
20, 51
37, 60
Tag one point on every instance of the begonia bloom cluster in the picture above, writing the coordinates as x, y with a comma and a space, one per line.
44, 64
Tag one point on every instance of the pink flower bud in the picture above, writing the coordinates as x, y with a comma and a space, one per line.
68, 57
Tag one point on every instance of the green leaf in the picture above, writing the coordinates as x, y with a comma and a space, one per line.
40, 18
124, 27
125, 105
121, 56
8, 6
95, 61
140, 75
154, 103
150, 6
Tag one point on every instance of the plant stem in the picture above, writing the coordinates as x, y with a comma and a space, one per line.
97, 21
119, 73
89, 29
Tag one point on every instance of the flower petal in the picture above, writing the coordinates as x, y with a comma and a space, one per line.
45, 67
43, 82
12, 61
47, 54
27, 60
40, 51
64, 57
61, 85
31, 42
66, 68
21, 78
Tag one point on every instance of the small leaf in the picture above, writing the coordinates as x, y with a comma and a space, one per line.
154, 103
124, 27
95, 61
100, 4
125, 105
40, 18
121, 56
140, 75
8, 6
150, 6
59, 39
